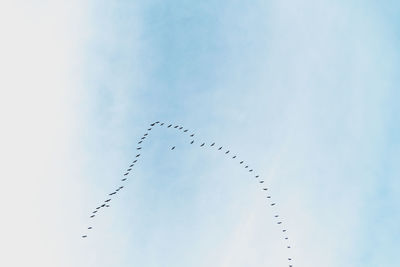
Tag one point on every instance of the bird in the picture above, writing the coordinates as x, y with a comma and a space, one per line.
212, 144
123, 180
279, 222
180, 128
268, 196
152, 124
129, 169
286, 238
173, 148
138, 155
288, 246
149, 129
169, 125
126, 173
257, 176
227, 152
121, 187
92, 216
276, 216
98, 208
108, 200
162, 124
138, 148
265, 189
143, 138
90, 227
185, 131
192, 142
241, 162
146, 134
131, 165
103, 205
135, 161
234, 157
273, 204
157, 122
191, 135
176, 126
251, 170
261, 182
107, 206
246, 166
284, 230
220, 148
94, 211
202, 144
84, 236
289, 259
140, 142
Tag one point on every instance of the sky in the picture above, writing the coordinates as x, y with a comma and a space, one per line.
304, 91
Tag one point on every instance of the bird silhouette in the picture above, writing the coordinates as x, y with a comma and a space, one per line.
173, 148
185, 131
192, 142
227, 152
202, 144
212, 144
169, 125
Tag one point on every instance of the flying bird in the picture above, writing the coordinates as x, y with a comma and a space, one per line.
103, 205
192, 142
173, 148
251, 170
90, 227
108, 200
134, 161
129, 170
92, 216
126, 173
146, 134
180, 128
107, 206
176, 126
140, 142
234, 157
227, 152
268, 196
279, 222
138, 148
149, 129
246, 166
162, 124
169, 125
185, 131
202, 144
276, 216
94, 211
191, 135
138, 155
261, 182
257, 176
123, 180
265, 189
241, 162
273, 204
220, 148
283, 230
131, 165
152, 124
84, 236
212, 144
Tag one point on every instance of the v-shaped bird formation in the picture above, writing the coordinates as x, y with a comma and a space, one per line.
272, 204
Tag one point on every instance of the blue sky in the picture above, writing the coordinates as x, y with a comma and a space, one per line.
305, 91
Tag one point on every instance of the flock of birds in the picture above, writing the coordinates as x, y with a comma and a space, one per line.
228, 153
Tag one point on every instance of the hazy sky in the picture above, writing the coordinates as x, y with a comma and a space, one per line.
305, 91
